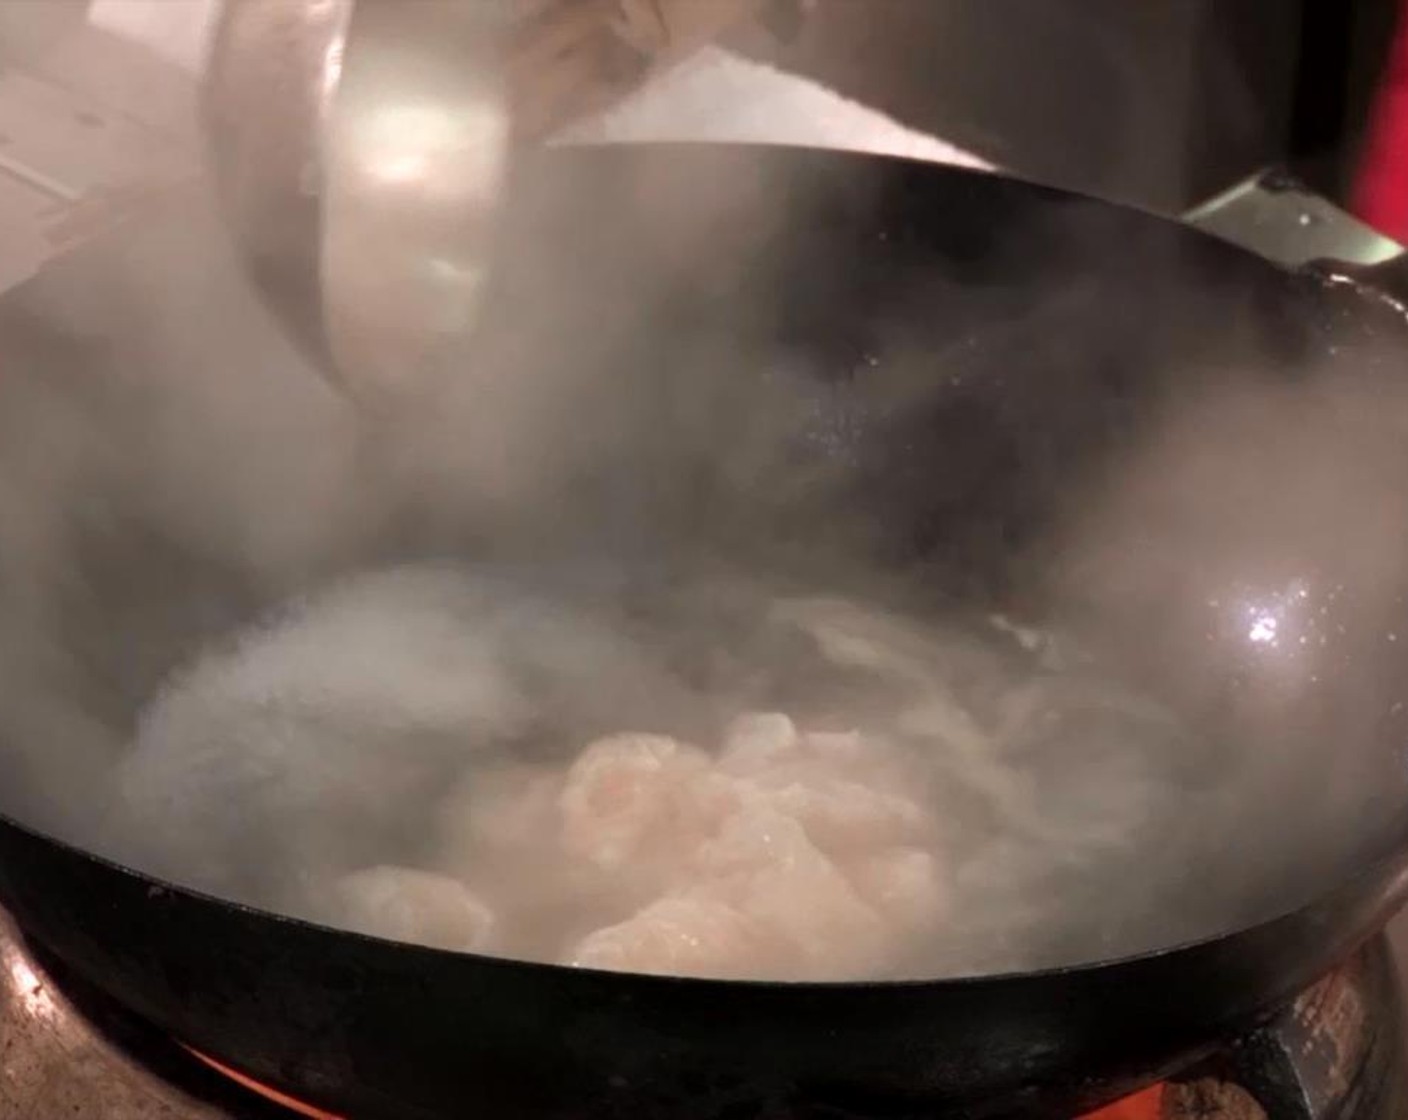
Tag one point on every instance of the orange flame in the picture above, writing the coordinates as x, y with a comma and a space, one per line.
263, 1090
1146, 1105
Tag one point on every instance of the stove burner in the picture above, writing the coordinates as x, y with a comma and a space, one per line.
65, 1053
273, 1095
1338, 1053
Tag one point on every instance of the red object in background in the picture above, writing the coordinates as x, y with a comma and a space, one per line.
1381, 193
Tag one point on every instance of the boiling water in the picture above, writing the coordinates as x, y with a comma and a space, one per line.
722, 778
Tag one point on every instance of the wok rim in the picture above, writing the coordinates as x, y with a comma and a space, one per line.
154, 887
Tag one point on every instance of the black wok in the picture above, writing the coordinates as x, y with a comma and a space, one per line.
986, 356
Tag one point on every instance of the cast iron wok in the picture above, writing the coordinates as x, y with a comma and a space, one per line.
980, 351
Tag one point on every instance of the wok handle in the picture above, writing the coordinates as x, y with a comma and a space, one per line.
1277, 217
1385, 281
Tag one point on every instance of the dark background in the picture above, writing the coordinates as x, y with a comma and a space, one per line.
1162, 103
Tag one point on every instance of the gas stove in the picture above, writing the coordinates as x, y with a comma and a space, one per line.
1337, 1053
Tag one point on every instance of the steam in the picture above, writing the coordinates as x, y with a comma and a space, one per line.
728, 378
320, 746
167, 465
1251, 558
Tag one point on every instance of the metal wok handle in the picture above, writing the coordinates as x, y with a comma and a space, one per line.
1386, 281
1275, 216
